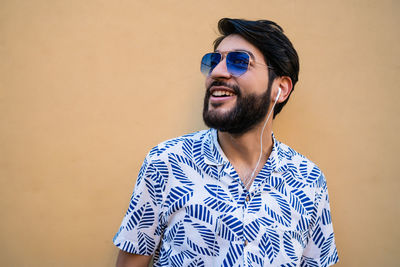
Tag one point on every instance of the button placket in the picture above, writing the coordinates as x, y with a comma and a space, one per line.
245, 219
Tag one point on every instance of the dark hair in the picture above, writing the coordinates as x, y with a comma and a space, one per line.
269, 38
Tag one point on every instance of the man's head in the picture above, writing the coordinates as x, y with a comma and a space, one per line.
247, 94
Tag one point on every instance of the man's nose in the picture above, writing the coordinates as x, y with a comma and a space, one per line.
220, 71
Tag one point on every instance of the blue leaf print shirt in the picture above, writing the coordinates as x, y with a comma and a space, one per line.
190, 208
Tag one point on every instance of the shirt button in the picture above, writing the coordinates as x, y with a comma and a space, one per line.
247, 198
246, 242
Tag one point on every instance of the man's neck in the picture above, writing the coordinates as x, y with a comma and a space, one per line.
243, 150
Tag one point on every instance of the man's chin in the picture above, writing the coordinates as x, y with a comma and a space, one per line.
217, 120
219, 115
220, 110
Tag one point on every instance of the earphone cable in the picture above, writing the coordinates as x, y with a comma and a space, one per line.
261, 140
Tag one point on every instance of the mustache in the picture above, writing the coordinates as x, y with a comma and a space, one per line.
235, 88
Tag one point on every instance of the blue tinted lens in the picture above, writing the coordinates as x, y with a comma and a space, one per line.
208, 62
237, 63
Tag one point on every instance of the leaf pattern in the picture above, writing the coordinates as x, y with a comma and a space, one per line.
198, 262
234, 252
300, 202
147, 242
254, 260
142, 218
199, 212
134, 201
269, 244
282, 216
255, 204
309, 262
177, 198
189, 208
289, 246
251, 230
175, 234
158, 171
229, 228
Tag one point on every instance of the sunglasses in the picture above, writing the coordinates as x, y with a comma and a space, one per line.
237, 62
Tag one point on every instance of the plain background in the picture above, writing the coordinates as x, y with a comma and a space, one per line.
87, 88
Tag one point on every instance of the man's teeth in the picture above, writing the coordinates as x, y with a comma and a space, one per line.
222, 93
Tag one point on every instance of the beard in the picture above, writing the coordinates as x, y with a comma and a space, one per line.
249, 110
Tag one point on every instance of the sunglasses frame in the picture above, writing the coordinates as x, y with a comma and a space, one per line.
225, 55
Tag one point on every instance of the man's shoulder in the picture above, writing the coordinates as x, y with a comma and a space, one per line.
175, 145
291, 160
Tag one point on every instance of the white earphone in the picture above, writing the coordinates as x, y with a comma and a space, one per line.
261, 139
278, 95
246, 183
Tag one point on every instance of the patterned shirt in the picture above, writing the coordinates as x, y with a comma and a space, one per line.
190, 208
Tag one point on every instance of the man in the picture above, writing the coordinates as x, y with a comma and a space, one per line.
233, 195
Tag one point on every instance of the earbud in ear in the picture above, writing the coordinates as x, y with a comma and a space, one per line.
279, 94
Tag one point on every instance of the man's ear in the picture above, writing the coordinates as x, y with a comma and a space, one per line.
286, 85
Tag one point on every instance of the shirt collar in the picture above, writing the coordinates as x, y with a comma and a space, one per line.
213, 154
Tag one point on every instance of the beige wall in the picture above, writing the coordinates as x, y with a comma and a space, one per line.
88, 87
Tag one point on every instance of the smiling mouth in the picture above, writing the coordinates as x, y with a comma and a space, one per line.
222, 93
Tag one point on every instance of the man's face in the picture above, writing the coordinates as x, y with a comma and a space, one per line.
236, 104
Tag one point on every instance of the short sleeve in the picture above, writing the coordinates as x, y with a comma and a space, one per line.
321, 248
139, 232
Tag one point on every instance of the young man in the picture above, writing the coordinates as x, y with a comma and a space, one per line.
233, 195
